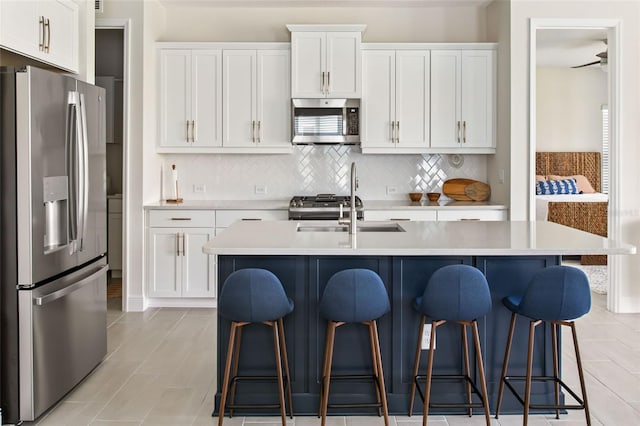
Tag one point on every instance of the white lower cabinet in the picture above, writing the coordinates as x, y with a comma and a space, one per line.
471, 214
400, 215
176, 265
397, 215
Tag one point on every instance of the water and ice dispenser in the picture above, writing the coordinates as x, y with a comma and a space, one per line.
56, 208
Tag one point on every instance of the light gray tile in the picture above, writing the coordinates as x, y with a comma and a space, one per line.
364, 420
72, 414
135, 399
516, 420
471, 421
315, 421
176, 406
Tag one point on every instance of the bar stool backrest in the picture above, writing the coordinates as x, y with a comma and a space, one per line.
556, 293
253, 295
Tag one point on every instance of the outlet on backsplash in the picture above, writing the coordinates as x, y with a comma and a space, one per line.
261, 189
392, 189
199, 188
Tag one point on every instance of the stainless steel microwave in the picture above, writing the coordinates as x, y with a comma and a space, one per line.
325, 121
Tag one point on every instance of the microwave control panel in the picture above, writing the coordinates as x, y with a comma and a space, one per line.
353, 121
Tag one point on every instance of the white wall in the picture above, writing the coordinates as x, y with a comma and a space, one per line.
568, 113
626, 210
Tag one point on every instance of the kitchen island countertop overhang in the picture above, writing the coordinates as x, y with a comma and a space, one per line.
464, 238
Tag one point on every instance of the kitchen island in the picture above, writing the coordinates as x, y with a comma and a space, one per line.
305, 254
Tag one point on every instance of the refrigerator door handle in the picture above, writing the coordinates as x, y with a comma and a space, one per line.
84, 175
47, 298
72, 147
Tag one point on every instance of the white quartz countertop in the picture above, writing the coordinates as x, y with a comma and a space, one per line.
428, 205
221, 205
490, 238
284, 205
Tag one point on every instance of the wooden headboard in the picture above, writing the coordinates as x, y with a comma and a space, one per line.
570, 163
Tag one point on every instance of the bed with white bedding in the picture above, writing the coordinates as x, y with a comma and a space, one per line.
585, 211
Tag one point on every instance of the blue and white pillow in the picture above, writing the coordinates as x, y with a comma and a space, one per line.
551, 187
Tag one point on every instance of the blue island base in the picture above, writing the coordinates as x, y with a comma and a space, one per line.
405, 278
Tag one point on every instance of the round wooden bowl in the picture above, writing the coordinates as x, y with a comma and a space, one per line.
433, 196
415, 196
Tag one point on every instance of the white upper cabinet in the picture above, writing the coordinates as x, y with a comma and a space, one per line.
395, 103
326, 61
463, 100
45, 30
190, 99
256, 99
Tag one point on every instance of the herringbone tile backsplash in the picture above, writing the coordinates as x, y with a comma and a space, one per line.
313, 169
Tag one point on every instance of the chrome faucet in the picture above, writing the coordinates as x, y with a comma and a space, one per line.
353, 215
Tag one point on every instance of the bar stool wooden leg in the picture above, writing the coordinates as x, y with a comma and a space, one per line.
416, 364
276, 344
527, 386
467, 370
325, 358
583, 387
227, 371
505, 363
374, 363
427, 388
556, 373
331, 330
383, 393
483, 380
285, 360
234, 371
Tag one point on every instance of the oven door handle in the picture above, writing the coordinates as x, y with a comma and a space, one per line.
47, 298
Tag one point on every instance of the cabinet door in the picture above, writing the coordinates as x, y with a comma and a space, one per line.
206, 98
477, 104
197, 267
164, 269
175, 97
20, 29
61, 32
273, 103
344, 64
378, 103
445, 98
308, 64
239, 94
412, 98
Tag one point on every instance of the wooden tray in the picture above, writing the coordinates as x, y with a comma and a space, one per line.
466, 190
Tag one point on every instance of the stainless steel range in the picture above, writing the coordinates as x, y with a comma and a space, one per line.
322, 207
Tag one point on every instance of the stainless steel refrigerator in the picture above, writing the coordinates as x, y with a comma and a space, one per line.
53, 236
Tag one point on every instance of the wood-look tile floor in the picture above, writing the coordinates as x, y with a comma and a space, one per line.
160, 364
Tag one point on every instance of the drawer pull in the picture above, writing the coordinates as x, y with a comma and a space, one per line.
399, 219
249, 218
180, 218
470, 219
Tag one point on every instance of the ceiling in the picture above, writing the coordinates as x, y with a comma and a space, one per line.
569, 47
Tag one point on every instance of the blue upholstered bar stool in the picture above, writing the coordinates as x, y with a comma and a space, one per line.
458, 293
354, 296
557, 295
254, 296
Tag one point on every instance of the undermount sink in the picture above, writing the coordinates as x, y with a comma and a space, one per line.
393, 227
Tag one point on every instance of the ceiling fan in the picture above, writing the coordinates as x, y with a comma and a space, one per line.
602, 61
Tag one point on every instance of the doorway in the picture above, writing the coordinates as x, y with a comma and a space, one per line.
111, 69
603, 73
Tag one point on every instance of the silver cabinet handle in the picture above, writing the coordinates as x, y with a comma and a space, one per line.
41, 40
184, 252
397, 132
324, 91
328, 82
399, 219
180, 218
253, 131
47, 24
187, 134
193, 130
458, 132
43, 300
259, 132
249, 218
464, 132
177, 244
470, 218
393, 132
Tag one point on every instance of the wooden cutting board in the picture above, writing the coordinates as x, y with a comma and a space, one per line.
466, 190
